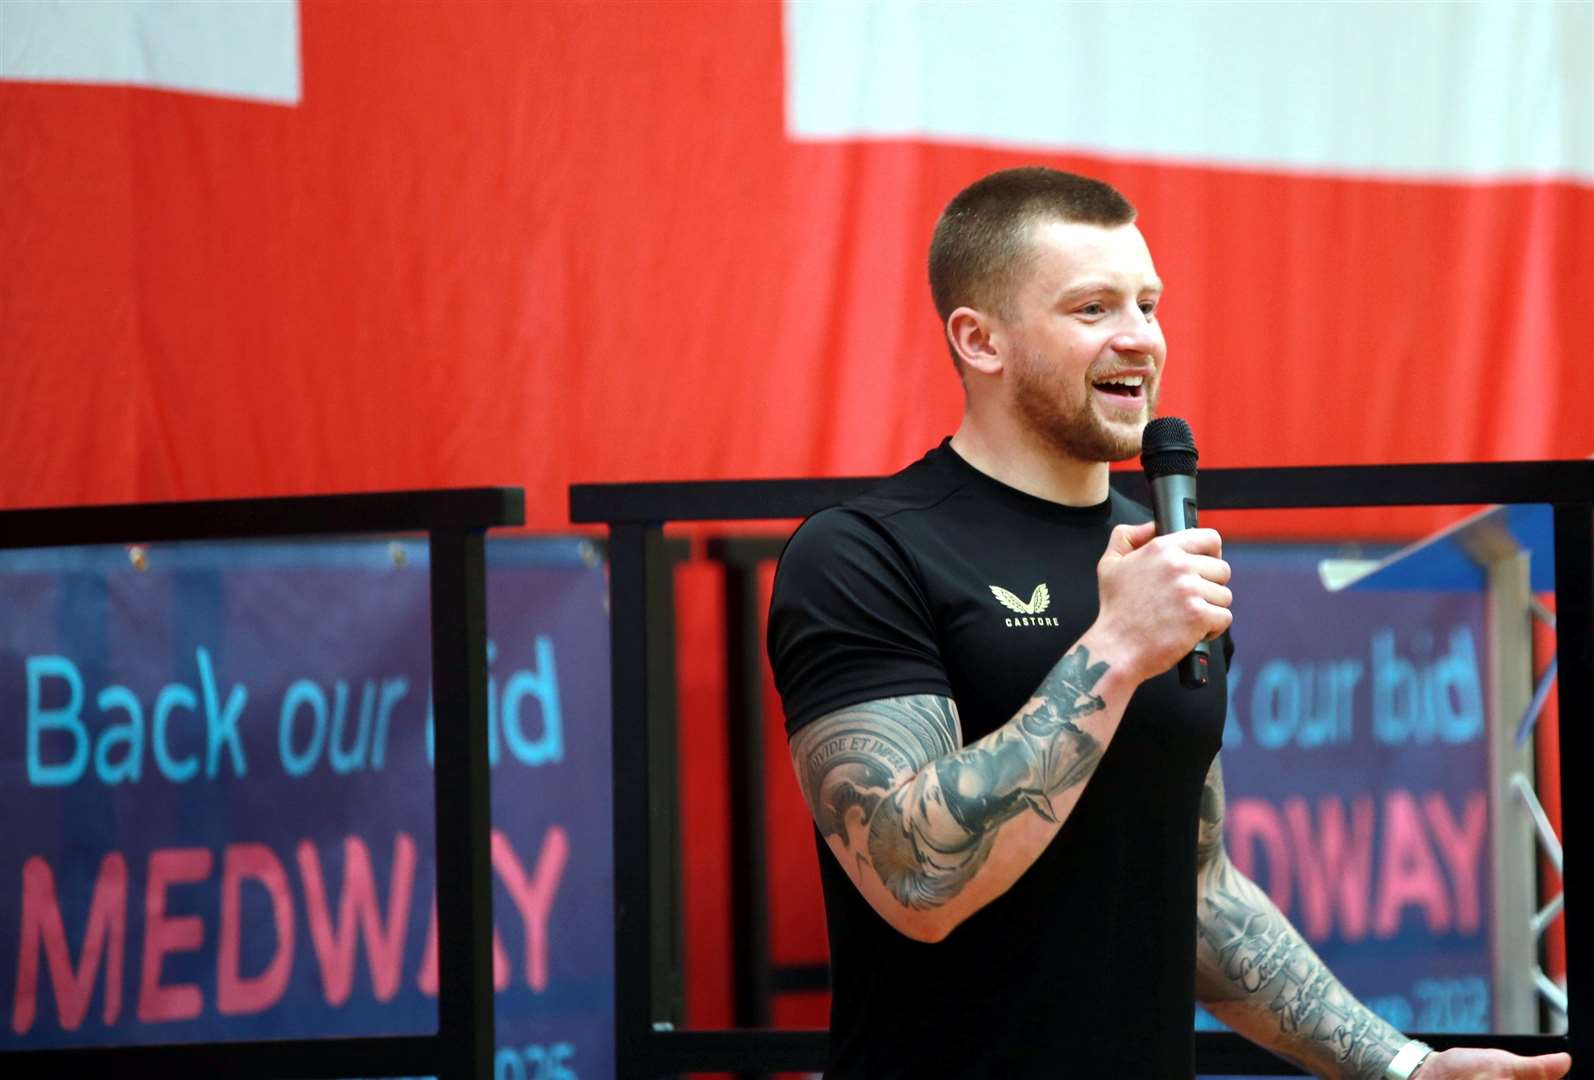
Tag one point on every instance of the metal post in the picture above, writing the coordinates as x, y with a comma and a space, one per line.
752, 978
1574, 617
628, 664
460, 779
668, 937
1515, 892
649, 977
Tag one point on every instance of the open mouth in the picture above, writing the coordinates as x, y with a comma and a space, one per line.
1129, 387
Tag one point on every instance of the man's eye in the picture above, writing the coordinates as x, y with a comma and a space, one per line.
1148, 308
1092, 308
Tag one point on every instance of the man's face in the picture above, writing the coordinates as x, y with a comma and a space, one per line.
1084, 350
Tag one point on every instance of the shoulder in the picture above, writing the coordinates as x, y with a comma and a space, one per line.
924, 485
838, 550
878, 524
833, 540
849, 620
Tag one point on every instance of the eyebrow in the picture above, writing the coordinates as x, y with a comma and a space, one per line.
1098, 285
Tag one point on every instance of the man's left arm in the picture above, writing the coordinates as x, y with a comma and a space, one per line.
1257, 974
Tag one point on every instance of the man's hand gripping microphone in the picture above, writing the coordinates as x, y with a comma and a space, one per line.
1168, 456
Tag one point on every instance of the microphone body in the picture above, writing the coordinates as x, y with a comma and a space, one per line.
1173, 502
1168, 456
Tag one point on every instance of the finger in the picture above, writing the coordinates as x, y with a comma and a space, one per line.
1218, 620
1543, 1067
1211, 569
1199, 541
1214, 594
1126, 538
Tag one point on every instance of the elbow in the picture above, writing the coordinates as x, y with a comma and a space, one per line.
926, 925
927, 928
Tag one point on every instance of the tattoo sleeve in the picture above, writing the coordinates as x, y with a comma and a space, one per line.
1257, 974
889, 781
1209, 830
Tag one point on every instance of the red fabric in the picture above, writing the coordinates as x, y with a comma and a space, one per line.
534, 244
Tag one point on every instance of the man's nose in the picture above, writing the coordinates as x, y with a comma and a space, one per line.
1137, 340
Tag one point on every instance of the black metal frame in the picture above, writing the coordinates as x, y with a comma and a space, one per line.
752, 975
454, 521
647, 1041
755, 978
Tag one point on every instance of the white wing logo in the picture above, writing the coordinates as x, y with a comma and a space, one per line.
1038, 602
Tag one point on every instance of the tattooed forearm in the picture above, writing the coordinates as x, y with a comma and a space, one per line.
888, 781
1255, 972
1209, 829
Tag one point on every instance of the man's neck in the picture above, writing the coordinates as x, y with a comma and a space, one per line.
1020, 461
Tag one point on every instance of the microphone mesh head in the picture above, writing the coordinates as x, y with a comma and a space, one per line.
1167, 448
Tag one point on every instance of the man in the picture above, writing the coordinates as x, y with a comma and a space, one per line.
1023, 804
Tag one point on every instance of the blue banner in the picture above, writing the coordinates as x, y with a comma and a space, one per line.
1356, 768
216, 780
216, 783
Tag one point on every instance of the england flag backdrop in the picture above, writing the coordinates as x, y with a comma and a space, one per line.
271, 247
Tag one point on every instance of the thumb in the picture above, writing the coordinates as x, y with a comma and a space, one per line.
1126, 538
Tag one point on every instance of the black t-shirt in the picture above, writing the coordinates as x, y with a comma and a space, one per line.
945, 581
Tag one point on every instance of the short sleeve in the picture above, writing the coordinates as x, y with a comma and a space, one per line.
849, 621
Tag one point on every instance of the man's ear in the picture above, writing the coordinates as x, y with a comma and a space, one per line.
971, 334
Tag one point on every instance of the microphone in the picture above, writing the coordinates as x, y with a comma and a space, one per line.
1168, 456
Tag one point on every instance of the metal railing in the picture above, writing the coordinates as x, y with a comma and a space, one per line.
648, 1005
454, 522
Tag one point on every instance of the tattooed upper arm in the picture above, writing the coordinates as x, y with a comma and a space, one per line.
852, 757
914, 816
1209, 830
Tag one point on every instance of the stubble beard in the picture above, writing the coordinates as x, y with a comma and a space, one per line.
1076, 430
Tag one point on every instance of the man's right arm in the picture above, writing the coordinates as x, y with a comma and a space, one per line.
930, 830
